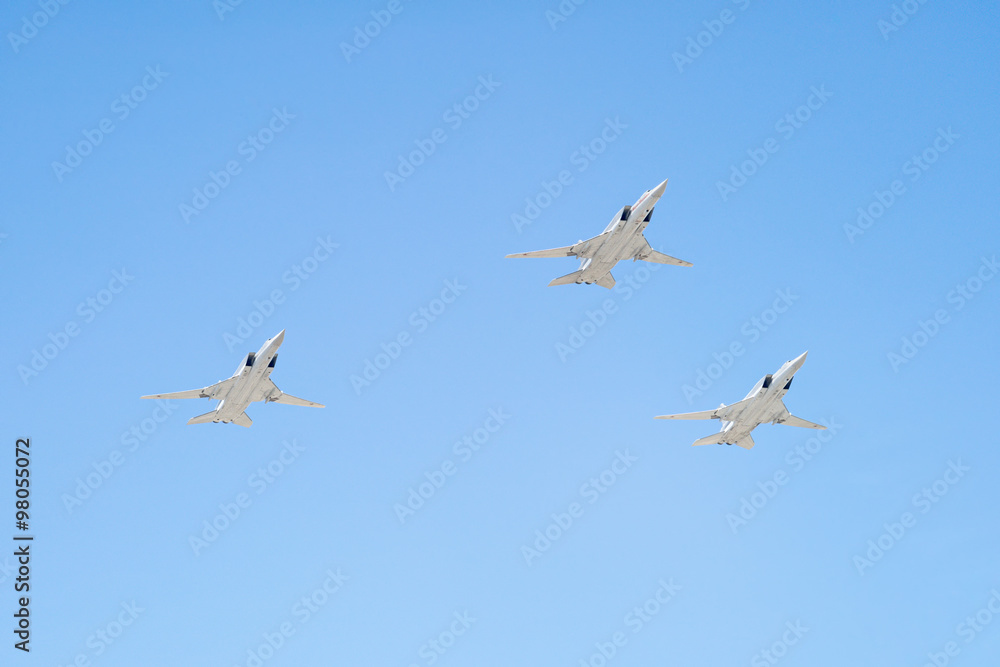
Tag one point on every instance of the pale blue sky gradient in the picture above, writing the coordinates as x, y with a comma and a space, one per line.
321, 182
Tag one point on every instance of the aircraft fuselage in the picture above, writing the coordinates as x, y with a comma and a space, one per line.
765, 405
254, 370
621, 239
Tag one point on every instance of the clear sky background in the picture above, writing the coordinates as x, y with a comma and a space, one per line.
572, 396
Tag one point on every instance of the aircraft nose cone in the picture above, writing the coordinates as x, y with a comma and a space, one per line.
280, 337
799, 360
658, 190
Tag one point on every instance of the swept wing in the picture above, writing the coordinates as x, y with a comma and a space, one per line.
647, 254
218, 391
791, 420
565, 251
725, 412
271, 394
580, 249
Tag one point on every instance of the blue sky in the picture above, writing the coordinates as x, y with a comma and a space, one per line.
172, 170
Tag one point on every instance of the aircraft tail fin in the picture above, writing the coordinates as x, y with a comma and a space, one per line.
607, 281
568, 279
203, 419
745, 443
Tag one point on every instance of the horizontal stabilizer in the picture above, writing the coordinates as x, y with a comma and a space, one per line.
566, 251
792, 420
288, 399
714, 439
568, 279
746, 442
243, 419
607, 281
660, 258
204, 419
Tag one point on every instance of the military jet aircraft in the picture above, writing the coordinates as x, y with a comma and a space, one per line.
250, 383
621, 239
762, 405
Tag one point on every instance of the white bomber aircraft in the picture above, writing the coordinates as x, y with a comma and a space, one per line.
762, 405
621, 239
250, 383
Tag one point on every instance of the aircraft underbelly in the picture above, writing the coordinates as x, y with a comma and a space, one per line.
238, 399
595, 270
608, 254
759, 411
612, 249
